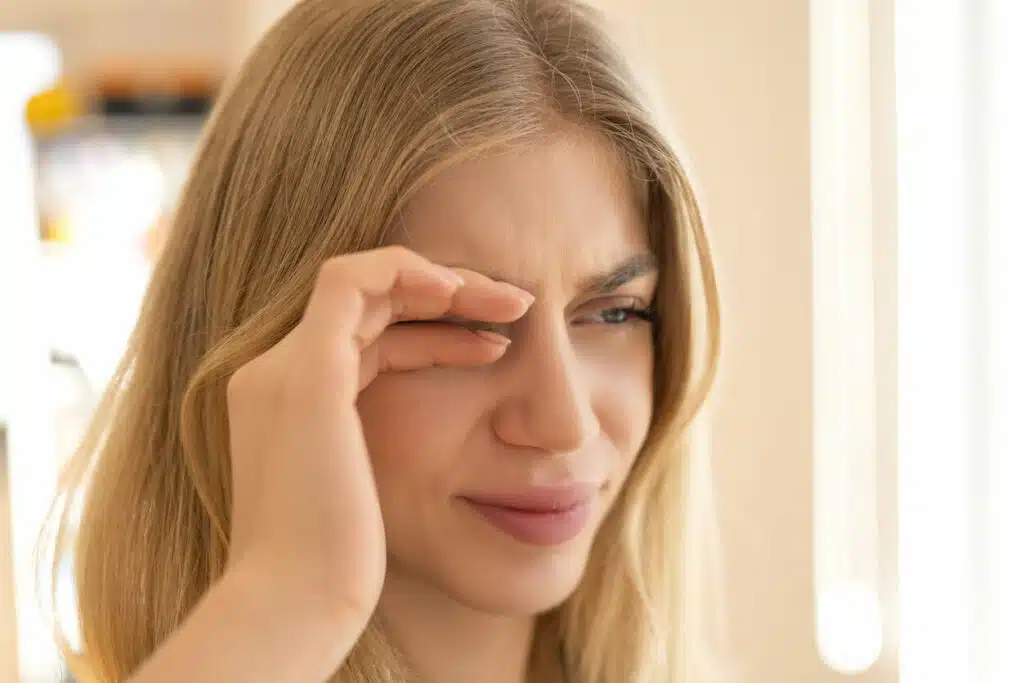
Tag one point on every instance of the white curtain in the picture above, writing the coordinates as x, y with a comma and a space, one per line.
960, 112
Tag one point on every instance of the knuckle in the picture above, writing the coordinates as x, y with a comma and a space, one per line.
350, 305
335, 275
398, 251
404, 257
334, 271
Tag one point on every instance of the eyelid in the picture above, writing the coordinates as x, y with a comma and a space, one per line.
623, 301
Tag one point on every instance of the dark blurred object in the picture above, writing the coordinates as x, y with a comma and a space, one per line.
155, 90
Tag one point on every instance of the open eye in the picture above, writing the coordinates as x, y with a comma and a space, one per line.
625, 312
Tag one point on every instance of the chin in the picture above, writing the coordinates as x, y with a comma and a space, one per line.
490, 572
517, 601
517, 588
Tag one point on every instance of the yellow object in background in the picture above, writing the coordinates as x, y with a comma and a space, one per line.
60, 230
52, 110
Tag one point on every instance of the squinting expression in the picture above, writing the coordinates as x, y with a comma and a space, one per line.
494, 480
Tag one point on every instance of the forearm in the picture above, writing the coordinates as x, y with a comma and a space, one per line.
244, 631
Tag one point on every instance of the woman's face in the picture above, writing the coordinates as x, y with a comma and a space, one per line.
494, 480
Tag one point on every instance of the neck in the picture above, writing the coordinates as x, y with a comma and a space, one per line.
445, 641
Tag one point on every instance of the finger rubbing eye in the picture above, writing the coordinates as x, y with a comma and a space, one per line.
471, 325
477, 326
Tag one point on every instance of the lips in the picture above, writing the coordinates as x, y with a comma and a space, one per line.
538, 516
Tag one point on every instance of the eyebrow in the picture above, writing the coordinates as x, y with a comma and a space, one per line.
631, 269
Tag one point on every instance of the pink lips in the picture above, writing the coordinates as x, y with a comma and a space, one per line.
538, 516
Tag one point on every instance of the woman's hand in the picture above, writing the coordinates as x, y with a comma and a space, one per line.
306, 516
307, 543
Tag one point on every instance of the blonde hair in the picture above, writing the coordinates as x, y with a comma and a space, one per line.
341, 113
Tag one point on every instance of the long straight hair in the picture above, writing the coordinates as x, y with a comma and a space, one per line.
340, 114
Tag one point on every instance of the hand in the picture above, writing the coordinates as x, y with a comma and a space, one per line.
305, 510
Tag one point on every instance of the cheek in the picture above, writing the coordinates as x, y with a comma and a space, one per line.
413, 426
623, 401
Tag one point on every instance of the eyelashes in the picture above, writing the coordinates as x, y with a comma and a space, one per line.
621, 315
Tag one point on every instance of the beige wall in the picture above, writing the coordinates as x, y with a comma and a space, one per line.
92, 32
735, 79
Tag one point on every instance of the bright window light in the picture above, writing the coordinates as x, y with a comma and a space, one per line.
849, 622
25, 403
960, 69
935, 347
1004, 145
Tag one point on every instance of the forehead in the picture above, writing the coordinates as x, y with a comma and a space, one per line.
565, 205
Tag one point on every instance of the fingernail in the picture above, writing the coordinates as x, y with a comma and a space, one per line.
518, 292
493, 337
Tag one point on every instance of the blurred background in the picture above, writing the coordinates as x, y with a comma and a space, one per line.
859, 162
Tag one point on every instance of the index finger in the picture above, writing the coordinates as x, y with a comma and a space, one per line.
358, 295
483, 299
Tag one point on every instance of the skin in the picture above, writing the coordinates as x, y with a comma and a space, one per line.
569, 400
354, 438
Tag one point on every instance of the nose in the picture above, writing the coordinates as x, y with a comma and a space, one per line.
547, 407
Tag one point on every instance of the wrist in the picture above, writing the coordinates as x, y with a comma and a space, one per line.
305, 605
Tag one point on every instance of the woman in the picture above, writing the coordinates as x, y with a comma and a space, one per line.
407, 396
